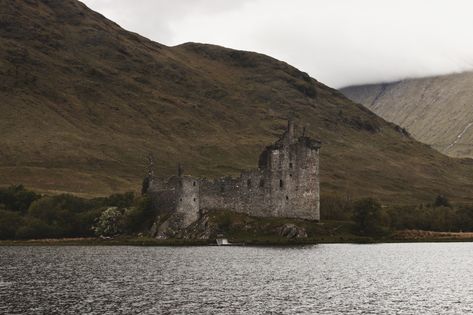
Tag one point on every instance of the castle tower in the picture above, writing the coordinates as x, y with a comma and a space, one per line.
188, 201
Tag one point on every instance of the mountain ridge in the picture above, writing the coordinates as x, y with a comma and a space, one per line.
435, 110
86, 101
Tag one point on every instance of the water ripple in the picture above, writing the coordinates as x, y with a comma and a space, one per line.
324, 279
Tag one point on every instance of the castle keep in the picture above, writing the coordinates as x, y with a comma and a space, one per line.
286, 184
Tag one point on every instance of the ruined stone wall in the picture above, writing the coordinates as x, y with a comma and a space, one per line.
285, 185
242, 194
163, 193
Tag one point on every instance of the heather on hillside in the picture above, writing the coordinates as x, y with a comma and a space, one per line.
84, 102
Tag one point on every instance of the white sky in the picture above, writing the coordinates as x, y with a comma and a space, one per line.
338, 42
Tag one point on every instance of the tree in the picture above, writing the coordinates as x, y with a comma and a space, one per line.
34, 228
10, 221
141, 216
17, 198
110, 222
368, 216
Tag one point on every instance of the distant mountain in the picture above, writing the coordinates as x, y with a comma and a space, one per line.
83, 102
436, 110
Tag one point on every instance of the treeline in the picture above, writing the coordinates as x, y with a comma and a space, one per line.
373, 218
28, 215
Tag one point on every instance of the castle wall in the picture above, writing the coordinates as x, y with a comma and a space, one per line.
285, 185
163, 194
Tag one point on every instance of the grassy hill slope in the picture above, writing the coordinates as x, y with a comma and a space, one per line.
84, 101
436, 110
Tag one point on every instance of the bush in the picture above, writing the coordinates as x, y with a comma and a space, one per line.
9, 223
72, 215
441, 201
140, 216
429, 217
124, 200
17, 198
368, 216
24, 214
464, 218
34, 228
85, 221
110, 223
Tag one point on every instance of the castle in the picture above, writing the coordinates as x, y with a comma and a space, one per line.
286, 184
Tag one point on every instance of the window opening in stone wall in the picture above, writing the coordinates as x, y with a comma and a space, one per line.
281, 184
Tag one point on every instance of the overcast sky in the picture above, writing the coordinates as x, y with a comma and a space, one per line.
338, 42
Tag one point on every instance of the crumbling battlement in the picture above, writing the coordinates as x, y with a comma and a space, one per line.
286, 184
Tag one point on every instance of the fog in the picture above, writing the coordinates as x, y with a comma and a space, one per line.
338, 42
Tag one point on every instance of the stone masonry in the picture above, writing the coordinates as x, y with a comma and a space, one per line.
286, 184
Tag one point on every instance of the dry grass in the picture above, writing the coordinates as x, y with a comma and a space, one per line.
431, 235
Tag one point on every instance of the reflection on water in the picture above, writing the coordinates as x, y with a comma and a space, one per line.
323, 279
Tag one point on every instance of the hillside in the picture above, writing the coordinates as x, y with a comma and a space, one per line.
436, 110
84, 102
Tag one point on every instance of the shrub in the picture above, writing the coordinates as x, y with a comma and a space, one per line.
110, 222
441, 201
368, 216
72, 215
34, 228
9, 223
124, 200
85, 222
17, 198
464, 218
140, 216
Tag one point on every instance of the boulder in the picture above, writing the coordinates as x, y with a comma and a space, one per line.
291, 231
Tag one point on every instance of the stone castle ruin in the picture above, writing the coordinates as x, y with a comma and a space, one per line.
286, 184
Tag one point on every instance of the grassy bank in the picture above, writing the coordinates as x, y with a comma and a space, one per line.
406, 236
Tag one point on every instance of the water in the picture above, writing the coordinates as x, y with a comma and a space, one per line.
421, 278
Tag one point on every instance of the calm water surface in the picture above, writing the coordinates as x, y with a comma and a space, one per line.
420, 278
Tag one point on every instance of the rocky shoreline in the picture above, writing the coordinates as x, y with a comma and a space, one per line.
405, 236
